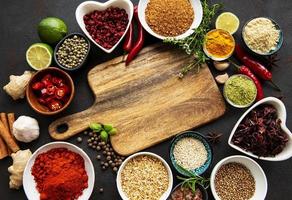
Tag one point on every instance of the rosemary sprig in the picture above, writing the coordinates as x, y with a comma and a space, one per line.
193, 44
192, 180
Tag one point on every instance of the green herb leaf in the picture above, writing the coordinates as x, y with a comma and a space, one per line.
95, 127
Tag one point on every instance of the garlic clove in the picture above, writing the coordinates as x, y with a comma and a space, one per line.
221, 79
221, 66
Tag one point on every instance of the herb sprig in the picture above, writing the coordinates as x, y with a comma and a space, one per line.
192, 180
193, 44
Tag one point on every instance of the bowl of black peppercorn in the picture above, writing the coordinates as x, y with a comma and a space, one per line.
72, 51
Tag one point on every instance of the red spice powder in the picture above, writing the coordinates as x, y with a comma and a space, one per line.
60, 174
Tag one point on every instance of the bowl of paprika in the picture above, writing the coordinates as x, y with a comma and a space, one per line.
50, 91
59, 170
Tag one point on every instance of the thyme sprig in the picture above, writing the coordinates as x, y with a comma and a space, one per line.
193, 44
192, 180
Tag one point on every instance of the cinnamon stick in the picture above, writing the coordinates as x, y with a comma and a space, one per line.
11, 120
4, 120
3, 149
4, 132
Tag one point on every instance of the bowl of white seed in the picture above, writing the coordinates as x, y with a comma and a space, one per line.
190, 152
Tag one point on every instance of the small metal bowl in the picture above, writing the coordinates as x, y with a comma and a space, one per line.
230, 102
61, 42
200, 170
201, 188
279, 44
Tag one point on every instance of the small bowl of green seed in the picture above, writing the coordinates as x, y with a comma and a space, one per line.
240, 91
72, 51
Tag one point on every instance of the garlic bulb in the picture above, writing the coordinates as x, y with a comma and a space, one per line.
26, 129
20, 159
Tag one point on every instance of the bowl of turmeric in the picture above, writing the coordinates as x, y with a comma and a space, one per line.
218, 44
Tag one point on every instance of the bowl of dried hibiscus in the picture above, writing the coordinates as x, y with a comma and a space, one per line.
261, 132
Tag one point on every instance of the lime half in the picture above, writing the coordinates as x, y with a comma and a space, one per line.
39, 56
228, 22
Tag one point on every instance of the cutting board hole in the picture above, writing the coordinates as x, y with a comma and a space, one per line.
62, 128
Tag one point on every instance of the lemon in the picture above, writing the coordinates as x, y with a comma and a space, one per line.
228, 22
39, 56
52, 29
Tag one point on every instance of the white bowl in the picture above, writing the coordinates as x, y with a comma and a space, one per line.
89, 6
261, 185
29, 183
198, 16
118, 180
280, 107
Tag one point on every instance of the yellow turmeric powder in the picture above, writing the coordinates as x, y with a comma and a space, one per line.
219, 43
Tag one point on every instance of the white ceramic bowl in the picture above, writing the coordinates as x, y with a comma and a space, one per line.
280, 107
198, 16
261, 185
118, 180
89, 6
29, 183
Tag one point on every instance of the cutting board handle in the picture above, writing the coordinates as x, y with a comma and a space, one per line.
72, 125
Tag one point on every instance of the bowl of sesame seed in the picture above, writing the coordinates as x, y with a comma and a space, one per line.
190, 151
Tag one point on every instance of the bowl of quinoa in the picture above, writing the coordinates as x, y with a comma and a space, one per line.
192, 152
144, 176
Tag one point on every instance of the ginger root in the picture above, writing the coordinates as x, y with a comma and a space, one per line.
17, 85
20, 159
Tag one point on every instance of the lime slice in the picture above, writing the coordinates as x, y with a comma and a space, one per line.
228, 22
39, 56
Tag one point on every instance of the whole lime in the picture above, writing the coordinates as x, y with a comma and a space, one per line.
51, 30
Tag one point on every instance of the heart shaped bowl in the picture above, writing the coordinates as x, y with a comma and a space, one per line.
282, 115
89, 6
198, 16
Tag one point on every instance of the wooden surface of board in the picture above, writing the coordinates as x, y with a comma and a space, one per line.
146, 101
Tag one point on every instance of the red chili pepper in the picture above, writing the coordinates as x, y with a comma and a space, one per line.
252, 64
38, 86
51, 89
246, 71
140, 41
60, 93
128, 43
57, 81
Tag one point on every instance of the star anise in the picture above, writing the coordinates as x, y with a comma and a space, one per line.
272, 60
214, 137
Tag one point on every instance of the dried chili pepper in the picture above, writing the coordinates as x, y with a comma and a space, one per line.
246, 71
128, 43
256, 67
140, 41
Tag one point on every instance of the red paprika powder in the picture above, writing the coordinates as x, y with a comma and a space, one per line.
60, 174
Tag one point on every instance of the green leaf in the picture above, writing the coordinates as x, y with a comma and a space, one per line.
185, 171
107, 127
113, 131
104, 136
96, 127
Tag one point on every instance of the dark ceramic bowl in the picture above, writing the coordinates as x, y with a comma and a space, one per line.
200, 170
33, 99
202, 189
279, 44
61, 42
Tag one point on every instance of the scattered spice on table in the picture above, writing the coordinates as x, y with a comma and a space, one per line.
240, 90
219, 43
169, 17
144, 178
72, 52
261, 35
234, 181
106, 156
214, 137
60, 174
260, 132
185, 193
190, 153
107, 26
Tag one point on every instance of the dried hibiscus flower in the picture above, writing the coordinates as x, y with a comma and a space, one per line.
260, 132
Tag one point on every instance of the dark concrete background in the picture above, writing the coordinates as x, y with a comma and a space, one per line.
19, 21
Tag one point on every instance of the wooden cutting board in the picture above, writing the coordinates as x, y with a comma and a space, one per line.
146, 101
